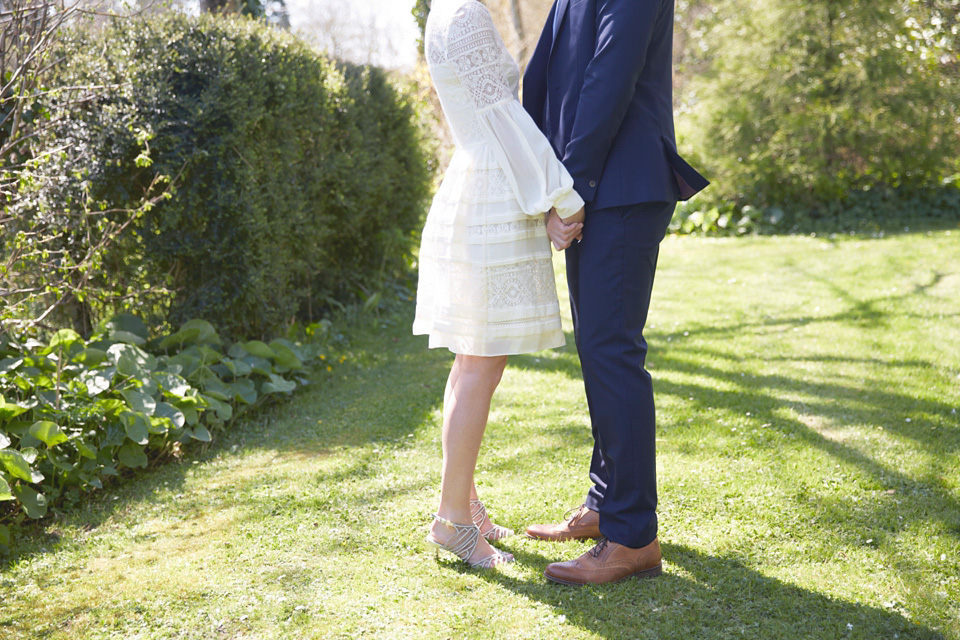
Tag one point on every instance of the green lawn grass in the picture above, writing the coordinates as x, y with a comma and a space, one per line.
809, 464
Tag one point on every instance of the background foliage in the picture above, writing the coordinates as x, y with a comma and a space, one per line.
293, 184
811, 106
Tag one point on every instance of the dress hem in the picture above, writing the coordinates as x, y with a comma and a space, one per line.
460, 345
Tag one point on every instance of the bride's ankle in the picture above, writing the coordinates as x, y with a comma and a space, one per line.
453, 515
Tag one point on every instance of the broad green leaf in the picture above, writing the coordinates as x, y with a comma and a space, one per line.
215, 388
95, 381
225, 370
223, 410
276, 384
241, 368
140, 402
297, 349
18, 428
166, 410
172, 384
180, 337
86, 451
48, 398
259, 349
244, 391
93, 481
131, 454
208, 354
34, 503
158, 426
4, 441
111, 405
48, 433
27, 442
43, 363
64, 338
186, 363
29, 453
18, 467
10, 364
259, 365
4, 536
5, 492
90, 357
9, 411
115, 436
60, 463
206, 333
285, 356
131, 361
127, 323
189, 410
136, 426
126, 337
237, 351
201, 433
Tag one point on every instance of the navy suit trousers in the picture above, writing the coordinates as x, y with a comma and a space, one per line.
610, 276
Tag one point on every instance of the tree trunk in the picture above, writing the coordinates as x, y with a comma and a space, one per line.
516, 19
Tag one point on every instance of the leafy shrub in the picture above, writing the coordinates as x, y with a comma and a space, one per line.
868, 211
74, 412
805, 106
293, 184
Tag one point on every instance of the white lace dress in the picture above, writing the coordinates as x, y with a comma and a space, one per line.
486, 277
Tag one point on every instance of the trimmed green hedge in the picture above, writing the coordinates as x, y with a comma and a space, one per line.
296, 184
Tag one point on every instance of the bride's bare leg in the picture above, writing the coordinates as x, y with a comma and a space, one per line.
466, 406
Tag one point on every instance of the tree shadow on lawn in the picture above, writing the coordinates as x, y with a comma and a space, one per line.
704, 596
874, 402
832, 405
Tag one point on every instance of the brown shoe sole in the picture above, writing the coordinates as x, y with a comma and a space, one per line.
640, 575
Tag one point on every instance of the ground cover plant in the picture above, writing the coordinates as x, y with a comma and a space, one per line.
809, 464
75, 412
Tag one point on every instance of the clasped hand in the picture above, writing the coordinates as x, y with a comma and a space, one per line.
563, 232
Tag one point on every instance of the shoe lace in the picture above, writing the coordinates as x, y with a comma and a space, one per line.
572, 513
599, 547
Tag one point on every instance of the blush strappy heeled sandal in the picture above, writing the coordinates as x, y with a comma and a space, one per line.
463, 543
478, 513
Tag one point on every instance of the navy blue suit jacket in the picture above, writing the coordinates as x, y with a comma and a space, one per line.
601, 89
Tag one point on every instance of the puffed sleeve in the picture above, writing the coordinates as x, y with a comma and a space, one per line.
537, 177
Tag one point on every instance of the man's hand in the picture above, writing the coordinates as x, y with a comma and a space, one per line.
562, 233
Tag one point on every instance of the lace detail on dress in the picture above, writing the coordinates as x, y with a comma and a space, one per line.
475, 53
488, 186
512, 228
470, 65
517, 285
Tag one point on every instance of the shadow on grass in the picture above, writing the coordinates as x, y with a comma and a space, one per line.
813, 414
868, 402
703, 596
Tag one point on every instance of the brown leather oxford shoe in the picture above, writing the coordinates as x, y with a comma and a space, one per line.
583, 524
608, 562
